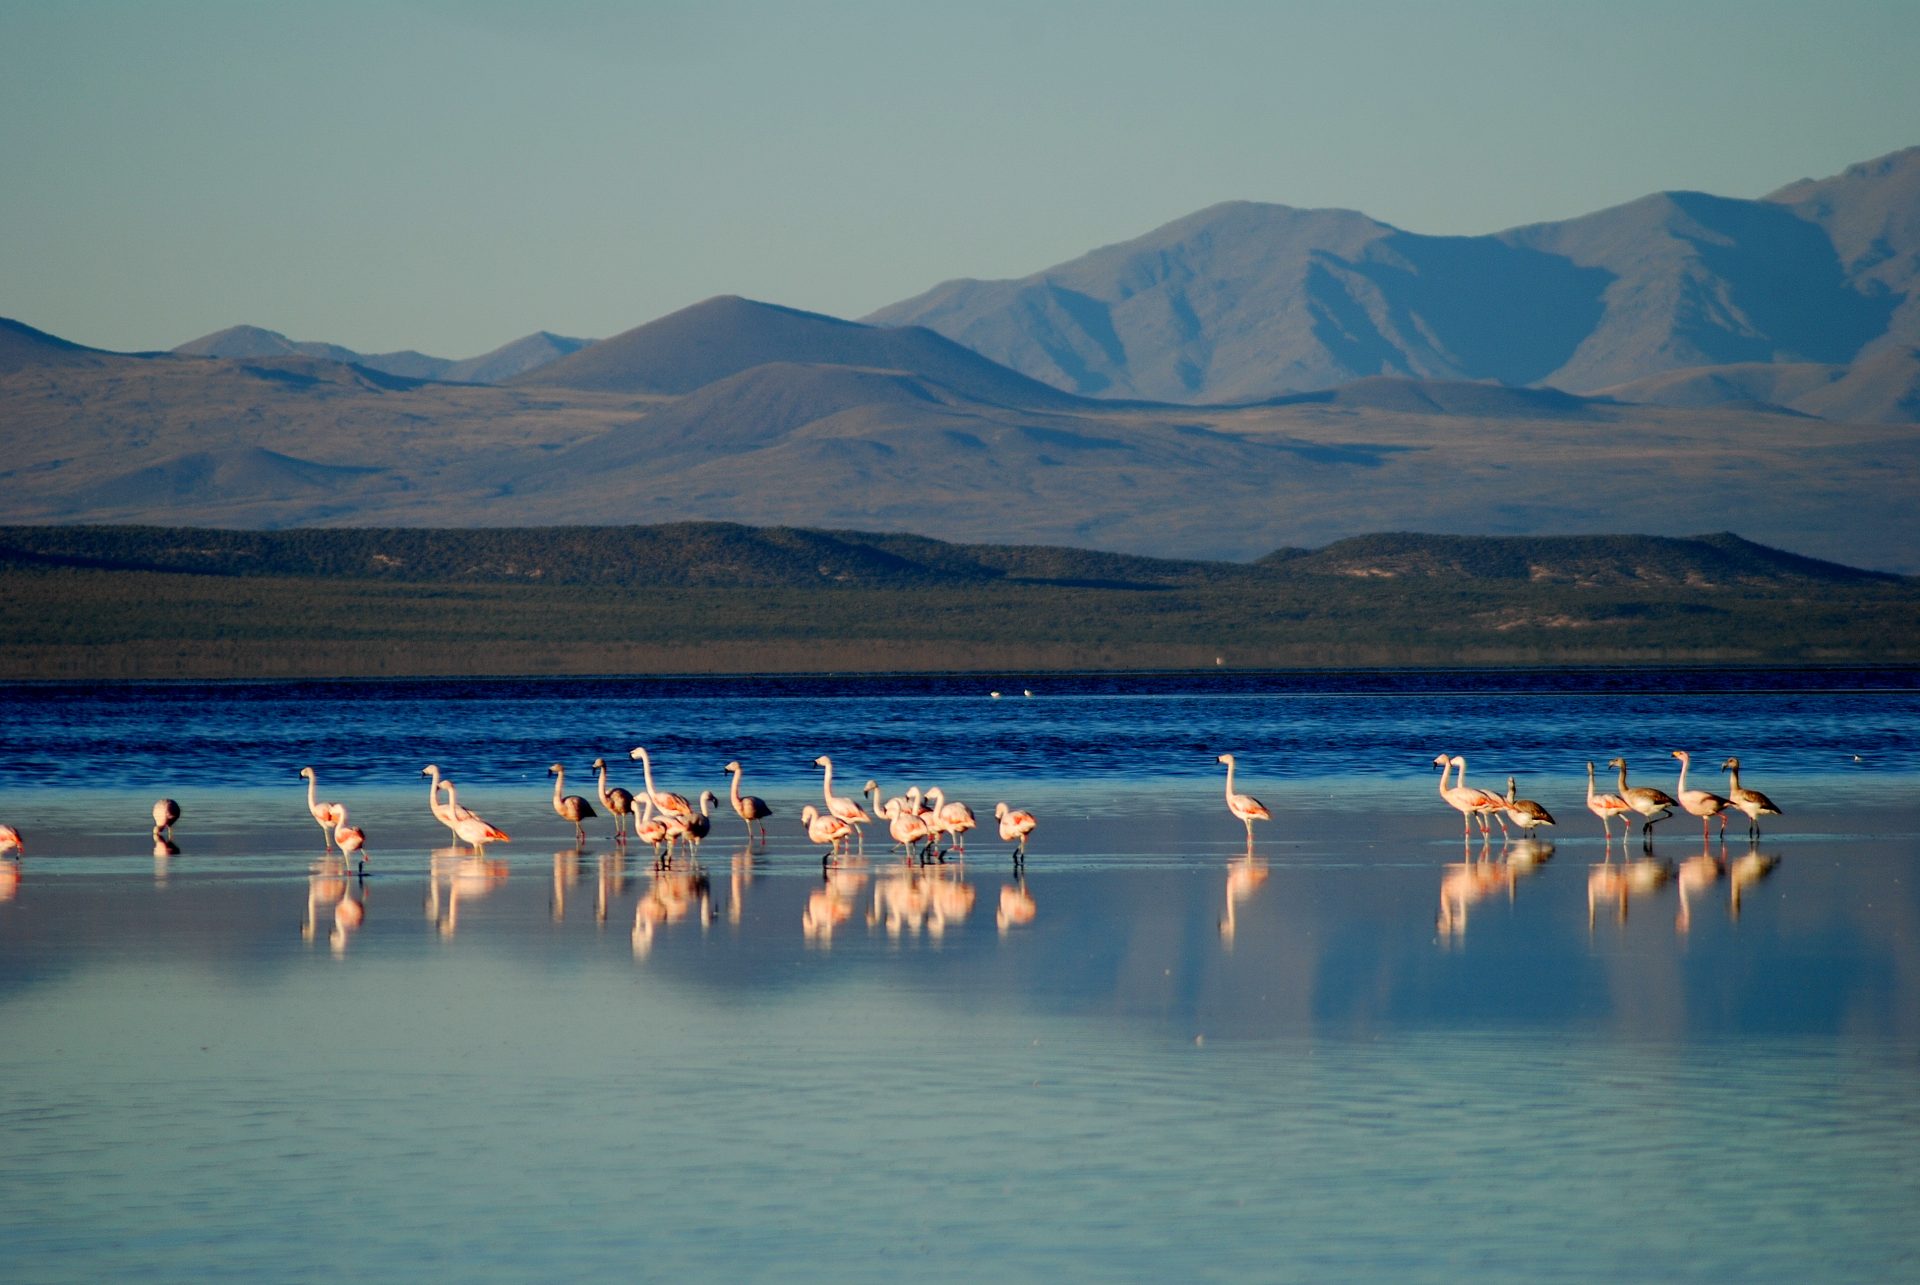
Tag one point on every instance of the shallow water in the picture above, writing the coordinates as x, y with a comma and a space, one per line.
1365, 1052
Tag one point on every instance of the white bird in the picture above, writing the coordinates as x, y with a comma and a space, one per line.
351, 838
1244, 807
468, 827
324, 814
1654, 805
1700, 803
571, 808
748, 807
617, 802
838, 806
165, 813
952, 819
1463, 799
1606, 807
675, 803
908, 830
828, 831
1751, 802
1015, 826
444, 813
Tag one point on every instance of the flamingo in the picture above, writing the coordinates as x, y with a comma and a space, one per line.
351, 839
1468, 802
676, 803
1244, 807
1526, 814
1699, 802
907, 828
617, 802
571, 808
828, 831
692, 829
1015, 826
324, 814
1606, 807
10, 839
467, 826
840, 807
652, 829
165, 813
444, 813
747, 807
1645, 800
1491, 804
1751, 802
953, 819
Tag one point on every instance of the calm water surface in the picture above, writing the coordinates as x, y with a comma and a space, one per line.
1364, 1052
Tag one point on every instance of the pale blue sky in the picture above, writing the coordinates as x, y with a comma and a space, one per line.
451, 176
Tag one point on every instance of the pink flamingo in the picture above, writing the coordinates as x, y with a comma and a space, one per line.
951, 819
1015, 826
1606, 807
838, 806
571, 808
165, 813
1244, 807
325, 815
1654, 805
10, 839
1699, 803
351, 838
1467, 801
467, 826
675, 803
828, 831
617, 802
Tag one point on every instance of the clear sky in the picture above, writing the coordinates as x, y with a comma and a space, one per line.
450, 176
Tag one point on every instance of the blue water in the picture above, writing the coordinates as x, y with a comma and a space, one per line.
1366, 1051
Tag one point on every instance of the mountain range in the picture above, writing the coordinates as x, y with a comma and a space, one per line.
504, 362
1233, 404
1246, 301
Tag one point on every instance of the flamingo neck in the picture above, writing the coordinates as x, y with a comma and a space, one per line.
1623, 778
312, 798
736, 787
826, 786
646, 770
1683, 775
1229, 778
559, 780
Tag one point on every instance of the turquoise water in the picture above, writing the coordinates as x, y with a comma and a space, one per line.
1365, 1052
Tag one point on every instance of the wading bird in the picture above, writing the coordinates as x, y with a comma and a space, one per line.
1245, 808
617, 802
468, 827
571, 808
1606, 807
665, 802
324, 814
1015, 826
1654, 805
1469, 802
839, 807
165, 813
747, 807
1525, 813
1699, 803
1751, 802
351, 839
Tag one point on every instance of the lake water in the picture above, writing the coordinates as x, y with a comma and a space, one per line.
1366, 1051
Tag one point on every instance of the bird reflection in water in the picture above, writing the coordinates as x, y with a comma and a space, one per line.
332, 886
742, 877
676, 890
9, 878
610, 882
1016, 906
566, 874
1622, 883
1244, 877
831, 904
1745, 871
1472, 879
164, 850
909, 898
468, 876
1697, 873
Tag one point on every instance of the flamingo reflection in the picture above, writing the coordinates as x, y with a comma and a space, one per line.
468, 876
1697, 873
1747, 870
566, 874
1623, 883
831, 904
330, 887
1244, 877
9, 878
1016, 906
742, 876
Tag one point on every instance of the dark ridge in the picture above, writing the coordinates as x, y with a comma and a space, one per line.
723, 555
